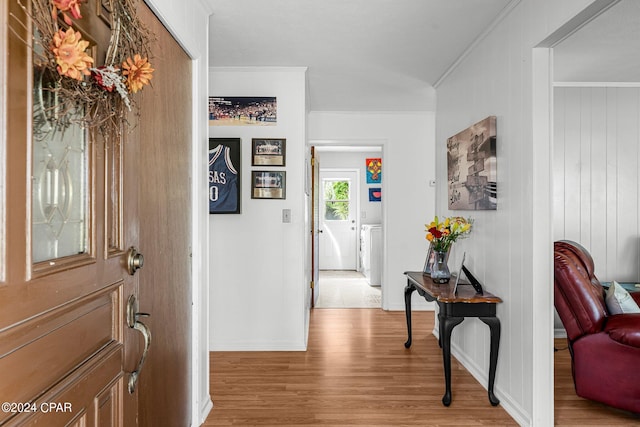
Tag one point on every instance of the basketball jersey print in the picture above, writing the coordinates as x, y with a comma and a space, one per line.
223, 181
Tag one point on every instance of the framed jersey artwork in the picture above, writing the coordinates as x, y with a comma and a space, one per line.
224, 175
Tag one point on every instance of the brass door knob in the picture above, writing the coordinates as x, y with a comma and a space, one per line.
135, 261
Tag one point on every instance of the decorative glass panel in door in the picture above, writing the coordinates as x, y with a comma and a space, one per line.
60, 216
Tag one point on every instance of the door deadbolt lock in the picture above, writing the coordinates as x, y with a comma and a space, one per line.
135, 261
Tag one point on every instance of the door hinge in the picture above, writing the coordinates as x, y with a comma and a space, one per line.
313, 285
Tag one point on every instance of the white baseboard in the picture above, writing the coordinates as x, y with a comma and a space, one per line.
416, 305
206, 408
257, 346
559, 333
509, 404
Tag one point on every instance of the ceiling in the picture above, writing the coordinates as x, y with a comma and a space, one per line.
386, 55
607, 49
362, 55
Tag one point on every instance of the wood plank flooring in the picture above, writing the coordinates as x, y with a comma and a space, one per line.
572, 410
357, 372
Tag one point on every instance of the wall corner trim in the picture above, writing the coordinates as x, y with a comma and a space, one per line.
502, 15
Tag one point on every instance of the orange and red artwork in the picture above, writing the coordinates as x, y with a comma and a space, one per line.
374, 170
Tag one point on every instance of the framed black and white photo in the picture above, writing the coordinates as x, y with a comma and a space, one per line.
268, 184
268, 152
224, 175
471, 167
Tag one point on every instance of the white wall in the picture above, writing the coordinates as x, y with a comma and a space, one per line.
356, 160
190, 27
407, 168
596, 195
497, 78
257, 263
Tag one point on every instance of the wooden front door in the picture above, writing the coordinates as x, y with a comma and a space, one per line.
165, 232
73, 207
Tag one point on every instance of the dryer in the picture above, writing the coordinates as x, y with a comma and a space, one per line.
371, 253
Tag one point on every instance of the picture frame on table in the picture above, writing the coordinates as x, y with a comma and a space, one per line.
431, 256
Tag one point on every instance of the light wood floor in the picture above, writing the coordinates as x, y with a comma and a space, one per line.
571, 410
357, 372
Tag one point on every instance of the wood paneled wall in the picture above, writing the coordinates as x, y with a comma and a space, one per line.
596, 179
497, 78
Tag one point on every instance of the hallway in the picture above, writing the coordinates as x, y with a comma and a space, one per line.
347, 289
356, 372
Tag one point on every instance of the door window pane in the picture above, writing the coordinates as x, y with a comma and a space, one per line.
336, 200
113, 200
60, 176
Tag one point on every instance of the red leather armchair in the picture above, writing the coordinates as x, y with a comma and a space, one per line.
605, 349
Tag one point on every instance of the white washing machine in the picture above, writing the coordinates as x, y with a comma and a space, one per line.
371, 253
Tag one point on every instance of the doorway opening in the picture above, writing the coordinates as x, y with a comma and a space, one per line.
574, 69
349, 228
347, 289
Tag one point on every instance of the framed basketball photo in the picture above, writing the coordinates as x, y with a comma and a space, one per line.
268, 184
224, 176
268, 152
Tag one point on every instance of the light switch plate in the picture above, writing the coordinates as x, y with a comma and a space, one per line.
286, 215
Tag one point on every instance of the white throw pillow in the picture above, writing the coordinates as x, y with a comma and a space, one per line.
619, 301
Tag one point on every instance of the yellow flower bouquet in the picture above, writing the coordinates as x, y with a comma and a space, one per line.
442, 234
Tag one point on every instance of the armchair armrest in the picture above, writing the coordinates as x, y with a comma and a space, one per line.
624, 328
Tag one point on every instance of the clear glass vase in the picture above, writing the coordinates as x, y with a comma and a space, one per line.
440, 270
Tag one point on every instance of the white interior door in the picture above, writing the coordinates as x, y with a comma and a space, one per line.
338, 219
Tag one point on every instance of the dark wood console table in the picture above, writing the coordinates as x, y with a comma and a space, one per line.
453, 308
